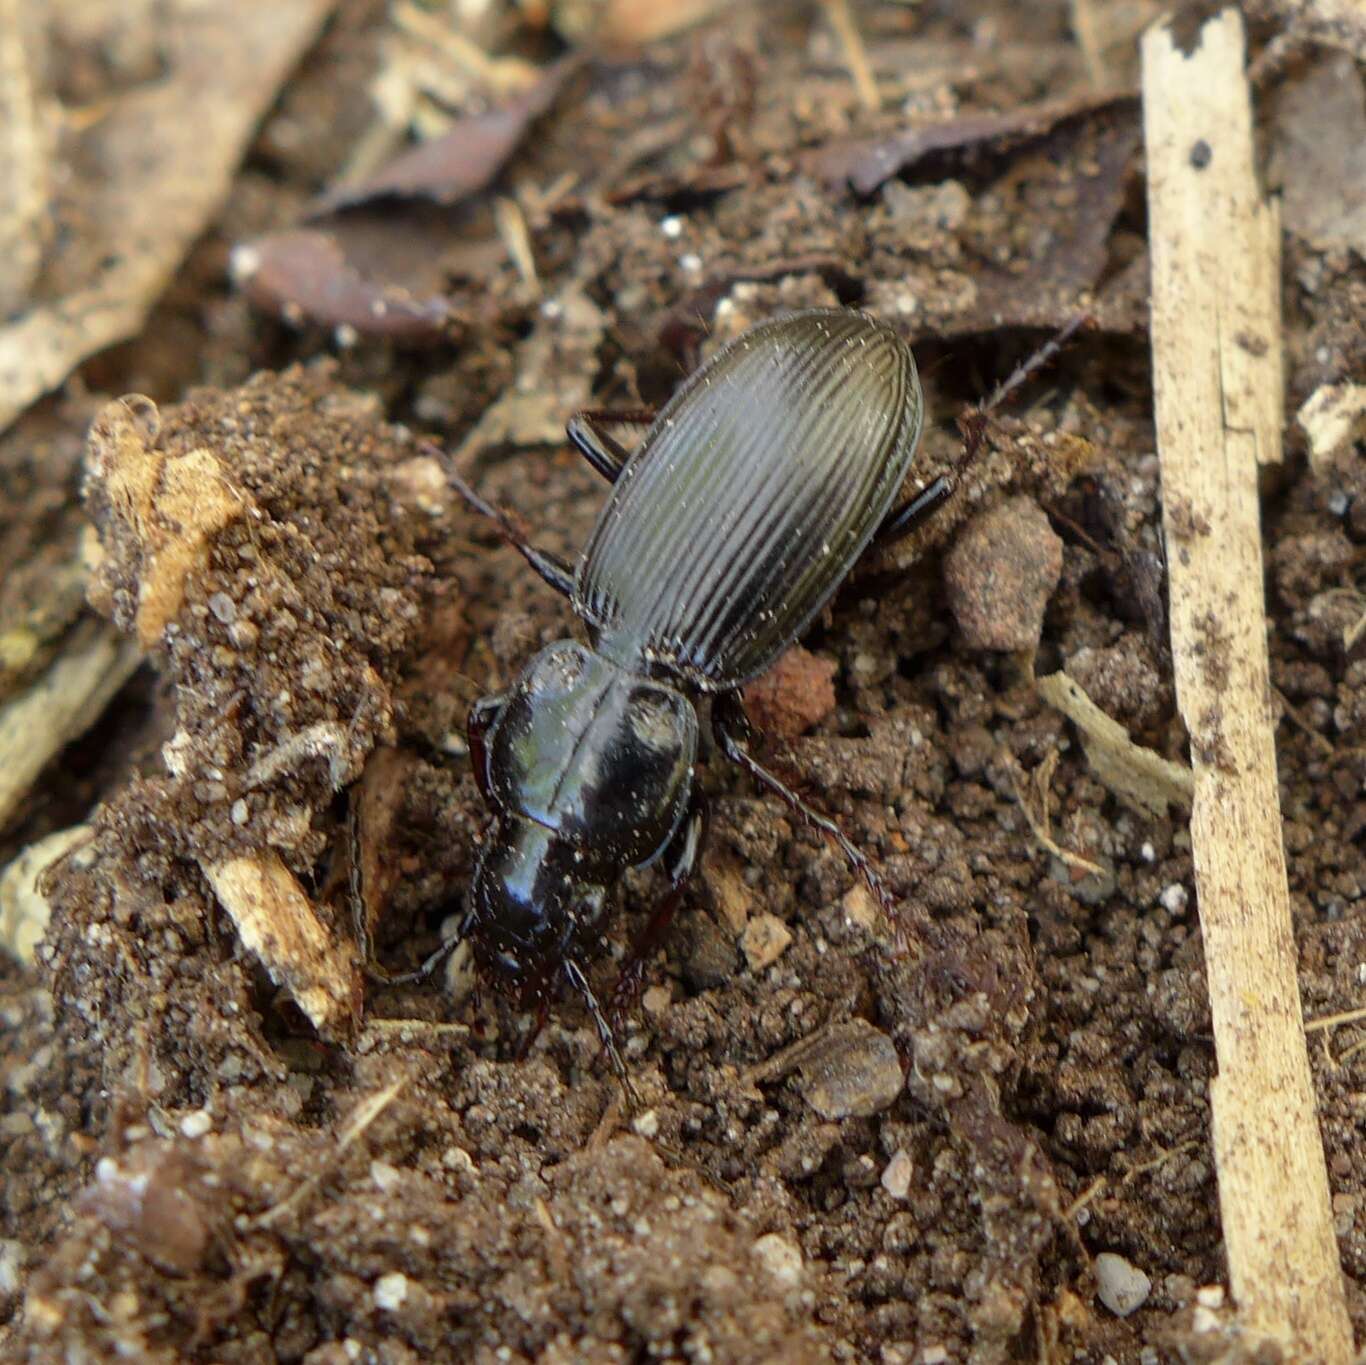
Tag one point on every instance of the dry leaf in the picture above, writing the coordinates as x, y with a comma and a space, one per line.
167, 151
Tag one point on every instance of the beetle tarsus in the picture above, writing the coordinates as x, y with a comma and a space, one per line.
912, 515
1031, 365
574, 975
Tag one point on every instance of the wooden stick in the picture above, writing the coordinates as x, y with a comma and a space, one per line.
1217, 381
93, 663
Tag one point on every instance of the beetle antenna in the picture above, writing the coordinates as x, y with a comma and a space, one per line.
573, 974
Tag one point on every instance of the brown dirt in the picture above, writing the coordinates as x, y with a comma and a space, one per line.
193, 1172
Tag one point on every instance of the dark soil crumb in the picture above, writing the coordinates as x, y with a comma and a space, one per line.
225, 1144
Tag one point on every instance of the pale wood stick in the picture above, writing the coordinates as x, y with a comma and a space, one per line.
1217, 380
92, 664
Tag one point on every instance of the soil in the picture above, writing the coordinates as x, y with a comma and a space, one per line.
201, 1166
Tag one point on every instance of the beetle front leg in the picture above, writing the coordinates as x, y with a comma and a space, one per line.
681, 859
731, 727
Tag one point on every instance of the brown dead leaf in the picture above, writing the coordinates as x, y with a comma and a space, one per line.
378, 255
1070, 187
460, 162
304, 274
865, 163
166, 151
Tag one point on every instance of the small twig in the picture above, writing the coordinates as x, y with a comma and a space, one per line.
1320, 742
511, 224
1219, 388
1335, 1020
400, 1026
1041, 823
855, 54
92, 665
1090, 1193
364, 1114
1164, 1155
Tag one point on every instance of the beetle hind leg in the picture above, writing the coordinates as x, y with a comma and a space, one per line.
586, 429
915, 512
730, 726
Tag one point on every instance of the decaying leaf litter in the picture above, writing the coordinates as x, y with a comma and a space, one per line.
289, 1173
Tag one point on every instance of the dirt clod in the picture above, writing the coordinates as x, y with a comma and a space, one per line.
795, 694
1000, 574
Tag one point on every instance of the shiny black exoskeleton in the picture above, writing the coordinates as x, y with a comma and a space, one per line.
728, 528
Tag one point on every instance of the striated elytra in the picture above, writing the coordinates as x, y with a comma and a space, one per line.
750, 498
729, 526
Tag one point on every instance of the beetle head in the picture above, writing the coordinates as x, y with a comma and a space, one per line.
534, 900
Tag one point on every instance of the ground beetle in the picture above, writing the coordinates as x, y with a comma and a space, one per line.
728, 528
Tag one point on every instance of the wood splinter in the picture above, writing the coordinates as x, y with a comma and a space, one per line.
1218, 386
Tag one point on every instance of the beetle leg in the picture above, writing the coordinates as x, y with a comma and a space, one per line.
534, 1032
730, 726
573, 974
605, 453
681, 859
913, 514
481, 718
551, 567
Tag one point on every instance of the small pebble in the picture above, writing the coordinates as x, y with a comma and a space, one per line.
1120, 1285
852, 1072
1174, 898
390, 1291
656, 1001
196, 1124
223, 607
384, 1175
11, 1262
860, 909
896, 1178
24, 910
646, 1124
764, 941
730, 896
1000, 574
781, 1258
1210, 1296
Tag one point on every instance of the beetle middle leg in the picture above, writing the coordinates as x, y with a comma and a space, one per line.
681, 859
730, 727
